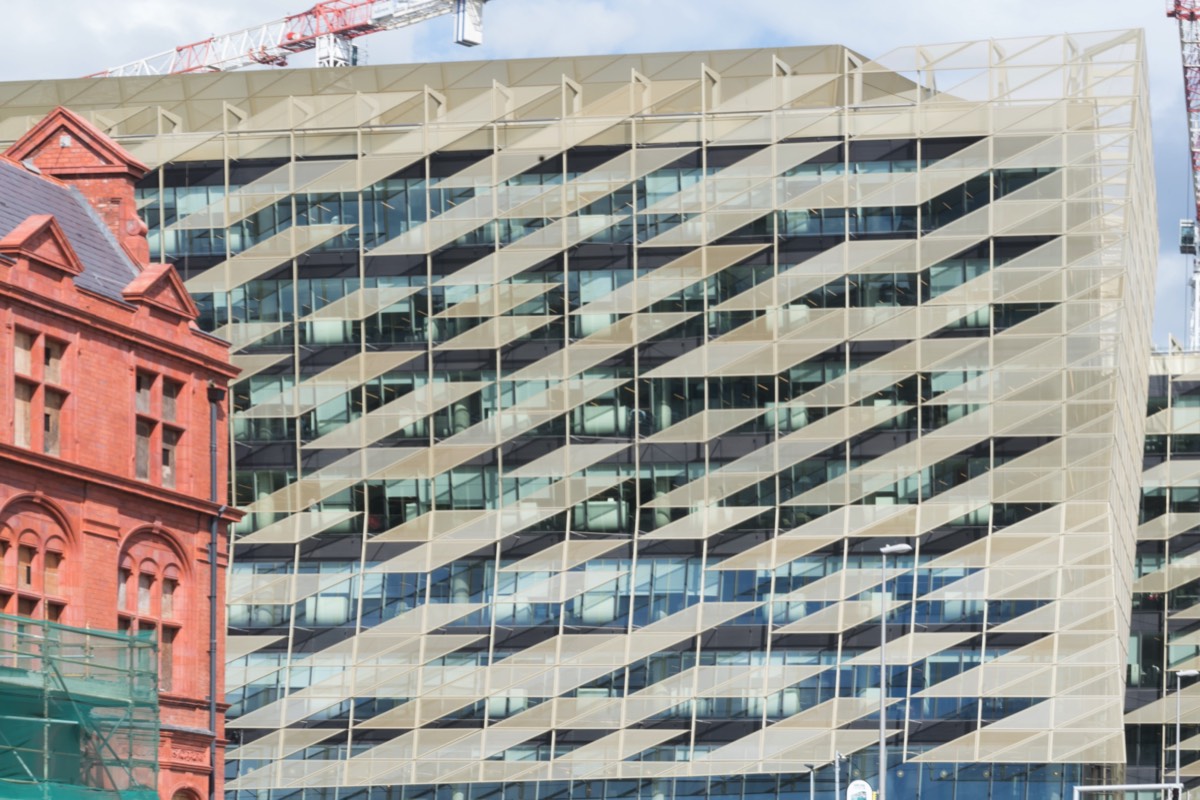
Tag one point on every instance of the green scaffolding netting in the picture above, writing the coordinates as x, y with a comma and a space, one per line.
78, 713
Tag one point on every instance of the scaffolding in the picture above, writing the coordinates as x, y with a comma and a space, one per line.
78, 713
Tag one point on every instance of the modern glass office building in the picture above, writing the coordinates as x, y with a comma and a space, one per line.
580, 394
1164, 635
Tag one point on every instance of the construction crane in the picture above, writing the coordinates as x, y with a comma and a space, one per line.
329, 27
1187, 14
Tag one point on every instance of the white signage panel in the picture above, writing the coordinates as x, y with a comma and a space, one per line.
859, 790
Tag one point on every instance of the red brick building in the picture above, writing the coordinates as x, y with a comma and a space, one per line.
107, 501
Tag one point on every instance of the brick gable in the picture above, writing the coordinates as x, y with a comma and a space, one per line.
160, 286
64, 144
41, 240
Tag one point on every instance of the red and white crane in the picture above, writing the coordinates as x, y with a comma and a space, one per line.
1187, 14
329, 27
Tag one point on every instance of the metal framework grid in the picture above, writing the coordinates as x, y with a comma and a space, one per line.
78, 713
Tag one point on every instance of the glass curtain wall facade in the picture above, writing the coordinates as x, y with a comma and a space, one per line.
579, 396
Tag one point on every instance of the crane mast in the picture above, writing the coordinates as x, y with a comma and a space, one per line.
1187, 14
328, 27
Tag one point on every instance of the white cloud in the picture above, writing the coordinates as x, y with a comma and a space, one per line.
81, 36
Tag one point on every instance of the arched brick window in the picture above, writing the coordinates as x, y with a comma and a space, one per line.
34, 552
149, 601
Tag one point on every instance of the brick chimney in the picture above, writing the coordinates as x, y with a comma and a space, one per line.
67, 147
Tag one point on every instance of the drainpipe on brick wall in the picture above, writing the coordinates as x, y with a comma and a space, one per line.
216, 396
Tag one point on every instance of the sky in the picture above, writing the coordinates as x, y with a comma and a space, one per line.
69, 38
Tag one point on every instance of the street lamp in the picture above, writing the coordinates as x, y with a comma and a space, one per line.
898, 549
1180, 674
838, 758
812, 781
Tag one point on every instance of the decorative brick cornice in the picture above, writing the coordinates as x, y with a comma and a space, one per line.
150, 492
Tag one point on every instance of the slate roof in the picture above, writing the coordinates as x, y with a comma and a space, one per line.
106, 268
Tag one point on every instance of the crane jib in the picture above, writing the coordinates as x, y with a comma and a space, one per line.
1187, 14
327, 27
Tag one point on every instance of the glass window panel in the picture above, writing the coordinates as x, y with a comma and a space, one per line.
123, 588
145, 591
170, 402
52, 356
25, 557
170, 443
166, 659
142, 450
23, 352
52, 421
50, 564
145, 385
23, 415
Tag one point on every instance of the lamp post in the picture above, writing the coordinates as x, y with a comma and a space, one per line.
838, 758
898, 549
1179, 676
812, 781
